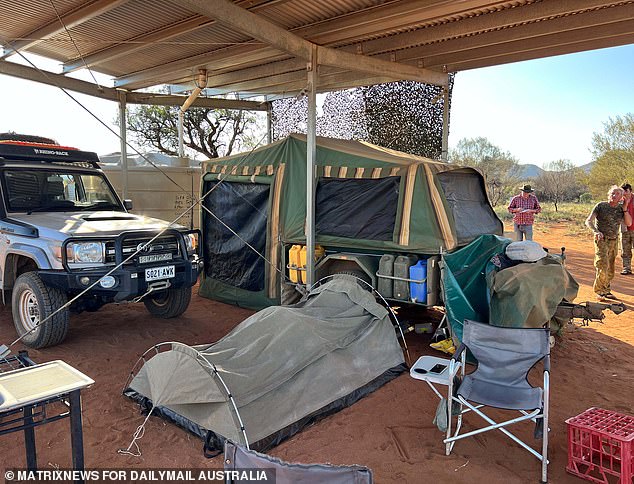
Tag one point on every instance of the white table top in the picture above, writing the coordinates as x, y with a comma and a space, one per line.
32, 384
421, 369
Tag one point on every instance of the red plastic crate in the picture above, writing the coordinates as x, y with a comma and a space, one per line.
601, 446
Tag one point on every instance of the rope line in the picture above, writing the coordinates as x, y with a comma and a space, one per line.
138, 435
73, 41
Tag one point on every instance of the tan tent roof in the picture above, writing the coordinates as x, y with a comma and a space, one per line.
261, 46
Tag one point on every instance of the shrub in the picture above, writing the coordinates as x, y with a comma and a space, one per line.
585, 198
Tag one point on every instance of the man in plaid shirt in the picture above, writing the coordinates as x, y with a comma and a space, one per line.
524, 207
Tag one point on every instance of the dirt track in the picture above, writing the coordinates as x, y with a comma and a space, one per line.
390, 431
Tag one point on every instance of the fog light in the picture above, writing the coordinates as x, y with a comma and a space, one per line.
107, 282
84, 280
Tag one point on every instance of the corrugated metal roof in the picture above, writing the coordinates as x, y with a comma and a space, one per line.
144, 43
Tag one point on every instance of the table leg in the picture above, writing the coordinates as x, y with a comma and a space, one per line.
29, 440
76, 435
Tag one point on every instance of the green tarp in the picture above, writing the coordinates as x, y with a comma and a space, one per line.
525, 295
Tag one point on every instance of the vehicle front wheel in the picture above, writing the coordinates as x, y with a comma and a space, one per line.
169, 303
32, 302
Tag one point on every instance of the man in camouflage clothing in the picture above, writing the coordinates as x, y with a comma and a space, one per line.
605, 221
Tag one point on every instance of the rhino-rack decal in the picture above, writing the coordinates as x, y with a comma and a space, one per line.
49, 154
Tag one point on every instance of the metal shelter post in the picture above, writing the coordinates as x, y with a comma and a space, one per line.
269, 123
445, 123
124, 144
181, 121
311, 154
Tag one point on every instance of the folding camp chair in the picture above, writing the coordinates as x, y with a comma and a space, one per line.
238, 458
504, 358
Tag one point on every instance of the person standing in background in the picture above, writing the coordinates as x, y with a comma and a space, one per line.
524, 207
605, 222
627, 233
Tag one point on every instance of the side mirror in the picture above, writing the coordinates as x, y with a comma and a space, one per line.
127, 203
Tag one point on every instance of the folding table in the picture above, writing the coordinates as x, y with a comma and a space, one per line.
28, 392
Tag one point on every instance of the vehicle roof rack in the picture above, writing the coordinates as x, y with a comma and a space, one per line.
42, 152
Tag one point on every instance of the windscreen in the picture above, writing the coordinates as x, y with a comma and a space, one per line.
231, 258
57, 190
357, 208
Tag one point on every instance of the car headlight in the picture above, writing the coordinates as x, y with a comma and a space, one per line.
191, 242
86, 252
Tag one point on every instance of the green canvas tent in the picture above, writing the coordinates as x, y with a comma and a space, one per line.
369, 199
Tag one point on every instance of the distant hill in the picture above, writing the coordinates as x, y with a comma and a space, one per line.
587, 167
530, 171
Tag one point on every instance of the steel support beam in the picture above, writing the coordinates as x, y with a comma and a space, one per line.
555, 40
140, 42
338, 30
110, 94
55, 27
537, 31
123, 137
335, 31
445, 125
505, 58
261, 29
539, 11
311, 155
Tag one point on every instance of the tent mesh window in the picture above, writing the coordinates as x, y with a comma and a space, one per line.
357, 208
228, 258
469, 205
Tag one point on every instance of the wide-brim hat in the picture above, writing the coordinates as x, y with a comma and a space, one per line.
527, 189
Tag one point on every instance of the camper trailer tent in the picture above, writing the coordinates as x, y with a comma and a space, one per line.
370, 201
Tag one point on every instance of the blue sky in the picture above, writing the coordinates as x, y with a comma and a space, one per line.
540, 111
546, 109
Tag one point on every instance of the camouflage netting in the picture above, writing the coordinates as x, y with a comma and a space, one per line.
405, 116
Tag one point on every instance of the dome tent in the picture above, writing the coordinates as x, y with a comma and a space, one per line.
276, 372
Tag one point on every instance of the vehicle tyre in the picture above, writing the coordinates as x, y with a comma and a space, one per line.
356, 274
33, 301
169, 303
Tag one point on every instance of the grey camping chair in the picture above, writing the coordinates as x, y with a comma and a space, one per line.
239, 458
504, 358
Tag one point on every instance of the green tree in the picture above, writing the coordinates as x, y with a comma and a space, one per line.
618, 134
210, 132
499, 167
560, 181
614, 167
613, 153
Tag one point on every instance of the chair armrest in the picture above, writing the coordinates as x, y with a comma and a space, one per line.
461, 349
547, 363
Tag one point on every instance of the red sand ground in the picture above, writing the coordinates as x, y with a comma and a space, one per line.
390, 431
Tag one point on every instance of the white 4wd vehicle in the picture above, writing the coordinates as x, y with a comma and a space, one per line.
63, 229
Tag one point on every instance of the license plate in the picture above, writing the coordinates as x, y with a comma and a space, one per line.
145, 259
156, 273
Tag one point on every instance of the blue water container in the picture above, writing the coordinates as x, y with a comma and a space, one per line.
418, 290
